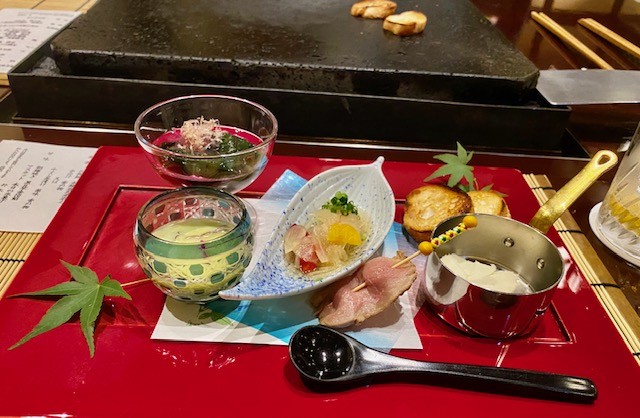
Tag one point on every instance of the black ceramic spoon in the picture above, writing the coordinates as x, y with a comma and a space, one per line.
328, 359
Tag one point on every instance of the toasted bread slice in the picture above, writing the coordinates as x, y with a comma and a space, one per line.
505, 211
373, 9
431, 204
487, 201
405, 23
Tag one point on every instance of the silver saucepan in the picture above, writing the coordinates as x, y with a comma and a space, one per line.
512, 245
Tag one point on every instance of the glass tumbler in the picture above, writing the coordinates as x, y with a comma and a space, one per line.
193, 242
618, 220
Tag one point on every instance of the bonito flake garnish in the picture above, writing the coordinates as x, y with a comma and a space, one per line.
199, 135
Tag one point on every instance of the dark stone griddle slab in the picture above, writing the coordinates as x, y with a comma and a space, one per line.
308, 45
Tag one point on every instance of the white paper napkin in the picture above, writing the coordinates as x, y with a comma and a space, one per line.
274, 321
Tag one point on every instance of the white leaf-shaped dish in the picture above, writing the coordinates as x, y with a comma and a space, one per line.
274, 277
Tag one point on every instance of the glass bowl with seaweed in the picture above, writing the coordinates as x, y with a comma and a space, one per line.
219, 141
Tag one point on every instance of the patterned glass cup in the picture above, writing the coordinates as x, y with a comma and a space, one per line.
193, 242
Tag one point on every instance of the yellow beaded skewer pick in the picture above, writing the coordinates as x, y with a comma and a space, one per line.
427, 247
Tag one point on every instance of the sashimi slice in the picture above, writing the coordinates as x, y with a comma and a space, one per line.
305, 250
292, 237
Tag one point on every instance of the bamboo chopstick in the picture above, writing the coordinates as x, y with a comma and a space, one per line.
611, 36
569, 39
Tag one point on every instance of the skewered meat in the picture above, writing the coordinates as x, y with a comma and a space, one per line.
339, 306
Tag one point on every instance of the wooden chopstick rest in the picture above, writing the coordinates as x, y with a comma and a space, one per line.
599, 29
569, 39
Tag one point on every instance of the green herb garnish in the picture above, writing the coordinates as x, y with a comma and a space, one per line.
341, 203
232, 143
222, 166
457, 168
82, 294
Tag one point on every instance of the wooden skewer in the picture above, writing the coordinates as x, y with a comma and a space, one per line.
611, 36
134, 282
569, 39
427, 247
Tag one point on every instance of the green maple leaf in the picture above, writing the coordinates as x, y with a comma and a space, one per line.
83, 293
456, 167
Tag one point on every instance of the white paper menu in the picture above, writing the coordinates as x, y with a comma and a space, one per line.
24, 30
34, 181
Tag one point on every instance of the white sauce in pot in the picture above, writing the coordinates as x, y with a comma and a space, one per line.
486, 276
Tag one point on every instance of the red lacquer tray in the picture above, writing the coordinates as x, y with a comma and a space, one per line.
132, 375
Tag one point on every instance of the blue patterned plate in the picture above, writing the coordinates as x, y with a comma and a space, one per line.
274, 277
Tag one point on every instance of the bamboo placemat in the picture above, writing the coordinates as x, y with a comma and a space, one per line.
68, 5
15, 247
604, 286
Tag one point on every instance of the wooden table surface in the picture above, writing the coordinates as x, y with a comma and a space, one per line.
594, 126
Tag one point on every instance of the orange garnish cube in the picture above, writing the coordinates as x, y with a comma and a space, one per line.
342, 234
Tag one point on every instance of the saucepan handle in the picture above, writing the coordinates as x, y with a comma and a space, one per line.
548, 213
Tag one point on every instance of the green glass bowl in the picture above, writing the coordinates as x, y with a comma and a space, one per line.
194, 272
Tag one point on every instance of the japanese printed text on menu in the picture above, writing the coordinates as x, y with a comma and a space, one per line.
24, 30
34, 181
